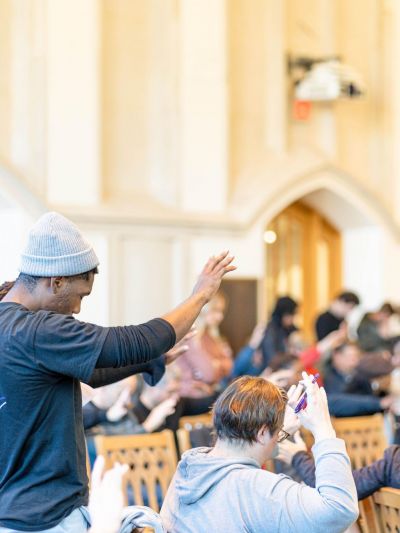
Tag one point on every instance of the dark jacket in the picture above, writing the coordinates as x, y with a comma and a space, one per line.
369, 337
274, 341
349, 395
335, 382
382, 473
344, 404
326, 323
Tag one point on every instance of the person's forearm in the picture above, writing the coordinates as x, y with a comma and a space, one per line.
93, 415
243, 361
334, 479
134, 345
152, 373
182, 317
310, 356
342, 404
304, 465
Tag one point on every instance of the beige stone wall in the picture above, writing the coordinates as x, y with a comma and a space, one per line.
166, 126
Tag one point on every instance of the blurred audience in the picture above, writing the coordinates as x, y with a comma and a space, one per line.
207, 361
249, 360
337, 313
112, 411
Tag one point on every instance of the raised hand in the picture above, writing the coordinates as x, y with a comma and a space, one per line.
211, 276
106, 498
288, 449
182, 317
158, 415
315, 416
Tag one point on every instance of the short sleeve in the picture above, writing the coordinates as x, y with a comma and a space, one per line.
64, 345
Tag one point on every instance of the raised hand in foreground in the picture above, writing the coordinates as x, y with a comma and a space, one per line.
288, 449
106, 498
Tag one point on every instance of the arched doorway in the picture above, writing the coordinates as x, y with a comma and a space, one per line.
303, 260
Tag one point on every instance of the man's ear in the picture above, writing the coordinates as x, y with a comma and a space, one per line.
263, 435
57, 284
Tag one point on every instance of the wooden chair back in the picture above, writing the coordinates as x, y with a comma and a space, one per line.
186, 425
387, 503
152, 461
183, 436
196, 421
364, 437
365, 442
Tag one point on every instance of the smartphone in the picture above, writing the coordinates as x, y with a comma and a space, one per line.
302, 403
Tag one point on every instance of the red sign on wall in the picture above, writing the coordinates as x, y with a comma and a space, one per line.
301, 110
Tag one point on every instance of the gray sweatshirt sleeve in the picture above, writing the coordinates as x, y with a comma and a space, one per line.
332, 506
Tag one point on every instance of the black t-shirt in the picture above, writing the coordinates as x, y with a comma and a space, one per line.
42, 447
43, 358
326, 323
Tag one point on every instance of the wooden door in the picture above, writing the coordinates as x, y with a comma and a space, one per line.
303, 262
241, 313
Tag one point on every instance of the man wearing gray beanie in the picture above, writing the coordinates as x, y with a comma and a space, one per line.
46, 352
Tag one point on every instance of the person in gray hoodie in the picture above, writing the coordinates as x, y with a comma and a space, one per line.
225, 489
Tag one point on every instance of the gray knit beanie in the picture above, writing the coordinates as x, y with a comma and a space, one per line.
56, 248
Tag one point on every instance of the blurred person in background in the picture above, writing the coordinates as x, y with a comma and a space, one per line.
349, 392
280, 326
249, 360
382, 473
374, 330
338, 311
207, 361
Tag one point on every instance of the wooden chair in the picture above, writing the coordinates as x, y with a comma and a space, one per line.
196, 421
364, 437
387, 503
152, 460
365, 442
183, 436
188, 424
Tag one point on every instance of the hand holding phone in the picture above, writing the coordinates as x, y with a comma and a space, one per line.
302, 403
314, 412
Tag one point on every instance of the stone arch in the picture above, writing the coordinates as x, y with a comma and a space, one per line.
343, 201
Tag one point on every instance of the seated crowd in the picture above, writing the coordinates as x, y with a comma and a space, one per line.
248, 416
53, 364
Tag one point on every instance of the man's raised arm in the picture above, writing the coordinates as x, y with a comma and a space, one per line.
208, 283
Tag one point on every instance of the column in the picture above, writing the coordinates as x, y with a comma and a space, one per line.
202, 89
73, 96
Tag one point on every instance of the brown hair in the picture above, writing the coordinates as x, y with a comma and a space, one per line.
248, 404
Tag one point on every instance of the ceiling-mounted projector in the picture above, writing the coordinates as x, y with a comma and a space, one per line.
328, 80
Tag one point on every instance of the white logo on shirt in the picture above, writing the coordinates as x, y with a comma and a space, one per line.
2, 402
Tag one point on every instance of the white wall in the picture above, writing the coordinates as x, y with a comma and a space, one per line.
363, 258
14, 224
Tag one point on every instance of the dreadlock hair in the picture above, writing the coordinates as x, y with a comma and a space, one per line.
5, 288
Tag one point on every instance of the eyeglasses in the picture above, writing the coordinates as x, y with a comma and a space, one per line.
282, 435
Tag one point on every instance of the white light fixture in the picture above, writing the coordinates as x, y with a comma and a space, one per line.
329, 80
270, 237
